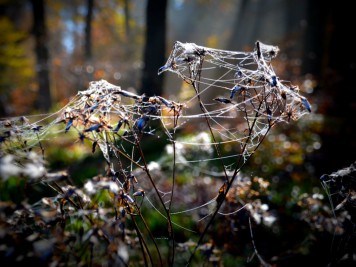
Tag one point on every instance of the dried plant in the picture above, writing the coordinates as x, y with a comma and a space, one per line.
237, 98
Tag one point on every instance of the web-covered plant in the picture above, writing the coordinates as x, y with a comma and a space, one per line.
237, 98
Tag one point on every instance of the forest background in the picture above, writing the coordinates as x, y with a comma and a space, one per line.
50, 50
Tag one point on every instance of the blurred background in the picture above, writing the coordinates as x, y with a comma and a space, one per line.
50, 50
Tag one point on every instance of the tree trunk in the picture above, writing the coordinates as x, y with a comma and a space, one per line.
88, 22
334, 66
154, 53
235, 43
43, 102
127, 19
88, 53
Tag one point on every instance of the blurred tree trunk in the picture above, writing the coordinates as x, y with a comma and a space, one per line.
88, 53
238, 29
44, 101
332, 61
88, 23
127, 19
154, 53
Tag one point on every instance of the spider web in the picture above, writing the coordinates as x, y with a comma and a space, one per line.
245, 96
238, 99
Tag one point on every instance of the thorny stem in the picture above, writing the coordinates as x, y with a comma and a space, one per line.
40, 144
173, 180
142, 243
195, 85
219, 204
127, 157
170, 227
196, 88
229, 182
150, 233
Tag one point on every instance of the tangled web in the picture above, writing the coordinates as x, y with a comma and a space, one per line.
248, 97
237, 99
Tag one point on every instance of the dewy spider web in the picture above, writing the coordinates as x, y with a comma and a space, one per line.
246, 96
240, 98
249, 100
